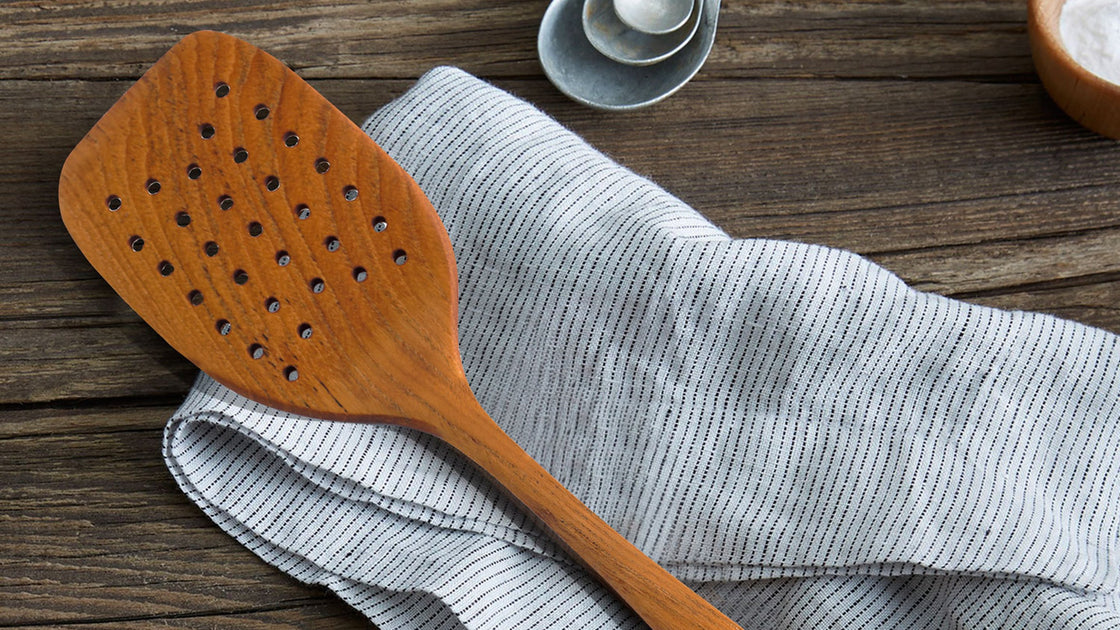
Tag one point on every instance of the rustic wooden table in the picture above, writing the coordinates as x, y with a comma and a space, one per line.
913, 132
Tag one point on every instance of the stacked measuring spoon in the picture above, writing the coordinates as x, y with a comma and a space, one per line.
640, 33
625, 54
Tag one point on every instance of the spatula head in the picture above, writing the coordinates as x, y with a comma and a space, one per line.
265, 237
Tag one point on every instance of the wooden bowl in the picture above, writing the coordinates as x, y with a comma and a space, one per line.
1087, 98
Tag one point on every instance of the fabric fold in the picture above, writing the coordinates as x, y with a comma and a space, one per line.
788, 427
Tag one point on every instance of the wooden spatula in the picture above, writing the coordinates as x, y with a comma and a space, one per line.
279, 249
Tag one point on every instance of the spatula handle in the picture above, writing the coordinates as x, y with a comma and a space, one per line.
655, 595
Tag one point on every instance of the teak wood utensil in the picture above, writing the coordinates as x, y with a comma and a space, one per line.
279, 249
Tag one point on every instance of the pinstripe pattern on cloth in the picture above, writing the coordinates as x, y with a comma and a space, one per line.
789, 428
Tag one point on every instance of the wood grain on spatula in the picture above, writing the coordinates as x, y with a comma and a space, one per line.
278, 248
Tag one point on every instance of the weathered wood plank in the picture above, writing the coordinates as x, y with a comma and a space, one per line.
94, 529
777, 158
320, 38
868, 166
967, 222
909, 39
395, 39
309, 614
966, 269
54, 421
74, 359
1097, 304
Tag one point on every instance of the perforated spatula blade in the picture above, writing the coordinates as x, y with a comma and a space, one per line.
258, 231
280, 250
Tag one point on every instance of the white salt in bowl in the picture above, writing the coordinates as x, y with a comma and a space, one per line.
1090, 100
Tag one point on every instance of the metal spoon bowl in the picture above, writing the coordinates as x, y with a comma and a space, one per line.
655, 17
616, 40
582, 73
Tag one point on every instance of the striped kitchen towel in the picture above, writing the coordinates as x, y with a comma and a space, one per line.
788, 428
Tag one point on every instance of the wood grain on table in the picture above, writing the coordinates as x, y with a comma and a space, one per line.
915, 133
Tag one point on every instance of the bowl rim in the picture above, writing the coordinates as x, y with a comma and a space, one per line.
1086, 87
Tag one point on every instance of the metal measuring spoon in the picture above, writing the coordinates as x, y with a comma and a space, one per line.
585, 75
616, 40
655, 17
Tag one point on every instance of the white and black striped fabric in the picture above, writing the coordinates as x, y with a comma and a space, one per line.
788, 428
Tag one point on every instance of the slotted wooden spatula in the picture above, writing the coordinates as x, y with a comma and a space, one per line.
279, 249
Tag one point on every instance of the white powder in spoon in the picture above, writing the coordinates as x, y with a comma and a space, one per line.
1090, 31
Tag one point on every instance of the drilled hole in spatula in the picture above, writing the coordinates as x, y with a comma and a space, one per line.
291, 139
182, 219
304, 331
272, 305
322, 165
152, 186
206, 130
223, 327
195, 297
350, 193
360, 274
332, 244
165, 268
317, 285
194, 171
271, 182
136, 243
240, 154
225, 202
256, 351
210, 248
283, 258
113, 203
240, 276
303, 212
379, 224
291, 373
221, 90
255, 229
261, 112
400, 257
